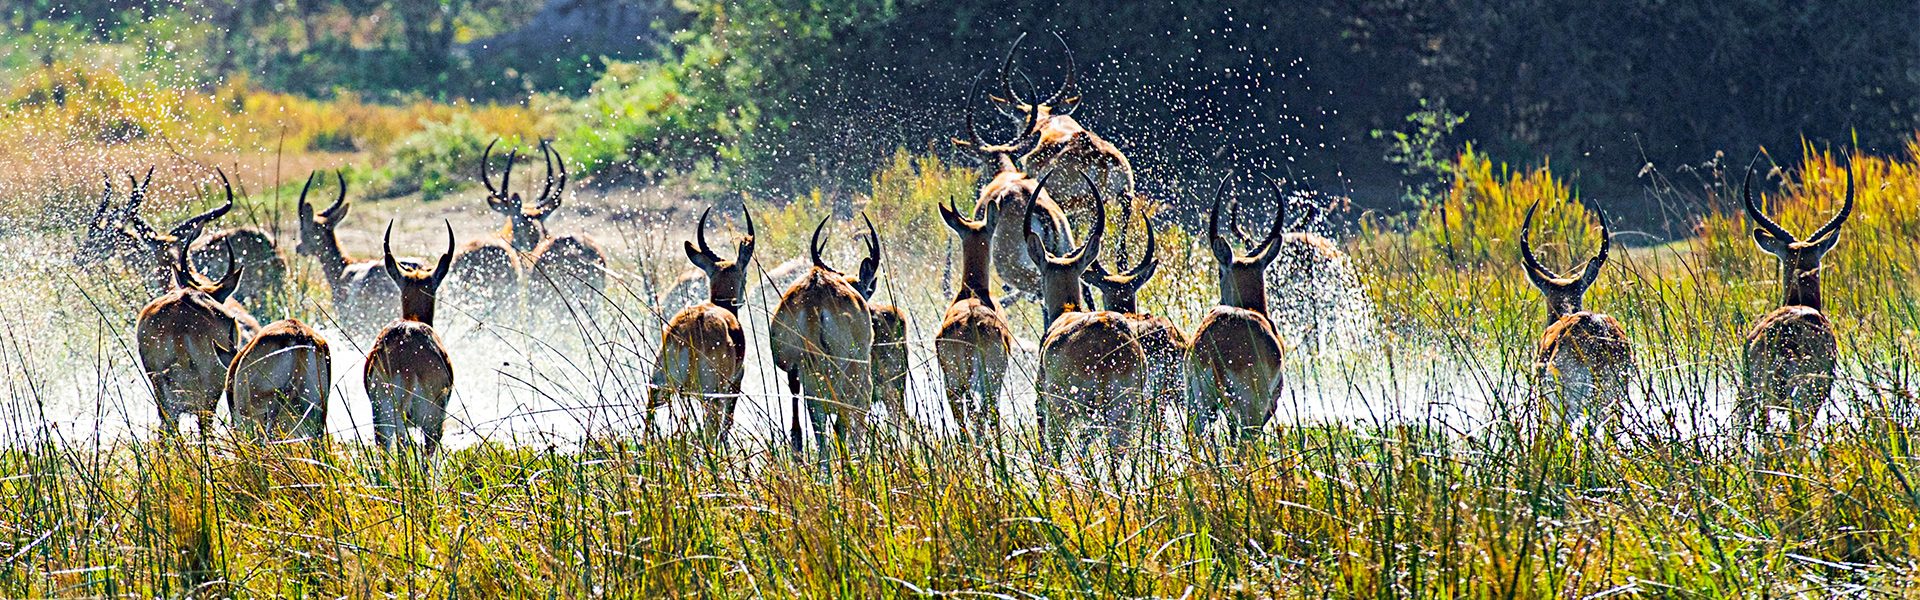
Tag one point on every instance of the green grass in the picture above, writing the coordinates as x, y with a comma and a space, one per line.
1378, 481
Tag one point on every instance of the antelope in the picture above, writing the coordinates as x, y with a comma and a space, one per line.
1162, 341
408, 374
363, 292
570, 270
156, 250
822, 338
279, 383
266, 270
1233, 364
186, 338
889, 335
106, 236
161, 251
1013, 192
1790, 352
703, 350
1307, 287
1090, 362
1063, 146
974, 337
1585, 354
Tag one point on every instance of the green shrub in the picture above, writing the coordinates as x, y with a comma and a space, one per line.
438, 159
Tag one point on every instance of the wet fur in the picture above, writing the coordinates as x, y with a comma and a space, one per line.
279, 384
822, 338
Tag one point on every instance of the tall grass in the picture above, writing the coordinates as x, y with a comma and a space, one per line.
1409, 471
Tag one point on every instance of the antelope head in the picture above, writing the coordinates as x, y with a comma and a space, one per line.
727, 278
999, 154
1799, 260
316, 229
1121, 290
162, 247
1562, 293
1060, 103
107, 233
187, 278
1060, 275
868, 277
976, 250
526, 224
1242, 282
417, 286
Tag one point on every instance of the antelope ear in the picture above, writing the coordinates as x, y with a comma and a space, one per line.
1768, 243
1820, 248
700, 259
951, 218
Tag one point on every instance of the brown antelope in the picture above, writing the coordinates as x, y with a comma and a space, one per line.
1233, 364
822, 338
408, 375
1013, 192
1790, 352
1311, 286
280, 382
156, 250
974, 338
1090, 363
186, 338
1063, 146
564, 274
703, 350
1585, 354
889, 335
1162, 341
364, 294
266, 270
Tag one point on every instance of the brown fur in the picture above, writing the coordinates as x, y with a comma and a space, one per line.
408, 375
280, 382
974, 338
253, 249
1234, 364
1090, 363
1012, 192
186, 339
1791, 353
364, 294
822, 338
566, 275
1163, 342
1584, 356
704, 349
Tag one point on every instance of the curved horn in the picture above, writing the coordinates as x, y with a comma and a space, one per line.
190, 229
1092, 247
506, 179
1753, 210
1222, 252
744, 252
700, 235
445, 266
813, 247
546, 188
338, 209
867, 278
386, 255
1065, 85
183, 273
1006, 70
1539, 274
1270, 244
1594, 264
1147, 264
485, 177
139, 194
230, 282
1035, 249
1846, 209
99, 221
973, 128
306, 210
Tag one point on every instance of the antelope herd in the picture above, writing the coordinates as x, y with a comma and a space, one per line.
840, 351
